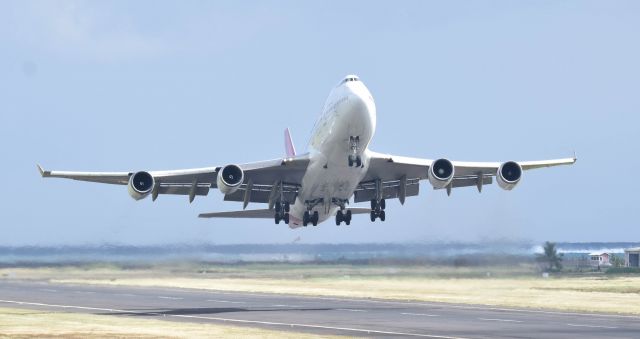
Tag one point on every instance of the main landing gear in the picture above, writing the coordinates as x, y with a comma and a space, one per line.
343, 216
354, 158
282, 212
377, 209
310, 218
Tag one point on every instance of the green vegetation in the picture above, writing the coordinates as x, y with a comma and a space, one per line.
551, 257
623, 270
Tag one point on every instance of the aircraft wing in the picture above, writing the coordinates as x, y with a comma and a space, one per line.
262, 180
400, 176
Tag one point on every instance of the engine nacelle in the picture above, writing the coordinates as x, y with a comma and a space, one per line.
441, 173
230, 178
509, 174
140, 185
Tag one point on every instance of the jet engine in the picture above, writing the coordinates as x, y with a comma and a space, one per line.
441, 173
230, 178
140, 185
509, 174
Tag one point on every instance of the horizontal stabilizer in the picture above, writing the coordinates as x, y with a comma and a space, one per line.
359, 210
264, 214
249, 214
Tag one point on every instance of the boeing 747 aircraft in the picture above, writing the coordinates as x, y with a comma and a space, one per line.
309, 188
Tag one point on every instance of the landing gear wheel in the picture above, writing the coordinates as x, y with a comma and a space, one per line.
374, 204
350, 162
358, 162
315, 218
373, 216
278, 206
305, 218
287, 207
277, 218
339, 218
286, 219
383, 205
347, 220
381, 215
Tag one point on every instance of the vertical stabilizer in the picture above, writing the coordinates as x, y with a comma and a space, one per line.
288, 144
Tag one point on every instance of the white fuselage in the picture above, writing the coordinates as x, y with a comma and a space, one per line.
348, 112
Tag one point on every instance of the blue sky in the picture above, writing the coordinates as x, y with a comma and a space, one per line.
151, 85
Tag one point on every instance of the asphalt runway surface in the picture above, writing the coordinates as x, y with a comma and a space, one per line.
320, 315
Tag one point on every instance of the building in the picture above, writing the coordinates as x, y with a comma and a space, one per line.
632, 257
599, 259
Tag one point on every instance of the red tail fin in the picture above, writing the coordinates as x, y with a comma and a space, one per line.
288, 144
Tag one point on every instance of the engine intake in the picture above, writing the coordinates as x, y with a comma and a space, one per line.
230, 178
509, 175
441, 173
140, 185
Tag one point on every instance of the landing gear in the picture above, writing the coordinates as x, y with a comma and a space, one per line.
377, 210
310, 218
353, 158
342, 216
282, 212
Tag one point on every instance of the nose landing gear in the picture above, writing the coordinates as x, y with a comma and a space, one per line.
353, 158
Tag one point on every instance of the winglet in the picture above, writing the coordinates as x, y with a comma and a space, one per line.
43, 173
575, 157
289, 148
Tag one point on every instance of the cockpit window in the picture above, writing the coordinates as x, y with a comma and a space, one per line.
350, 79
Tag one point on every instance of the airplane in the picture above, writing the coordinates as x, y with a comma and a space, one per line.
310, 188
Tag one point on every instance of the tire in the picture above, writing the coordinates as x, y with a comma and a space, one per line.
286, 218
373, 216
278, 206
315, 218
382, 216
358, 162
277, 219
374, 204
287, 207
383, 204
305, 219
350, 162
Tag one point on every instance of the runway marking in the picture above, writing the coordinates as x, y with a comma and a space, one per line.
422, 314
84, 292
172, 298
227, 301
290, 325
591, 326
350, 310
127, 294
282, 306
502, 320
48, 290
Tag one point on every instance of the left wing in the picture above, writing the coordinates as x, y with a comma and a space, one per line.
263, 181
399, 177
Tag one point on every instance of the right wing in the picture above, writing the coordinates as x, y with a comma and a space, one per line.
263, 180
399, 176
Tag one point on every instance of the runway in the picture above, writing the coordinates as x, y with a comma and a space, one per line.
321, 315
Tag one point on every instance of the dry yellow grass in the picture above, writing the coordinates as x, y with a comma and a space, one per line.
20, 323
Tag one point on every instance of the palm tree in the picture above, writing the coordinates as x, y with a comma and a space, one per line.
551, 257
